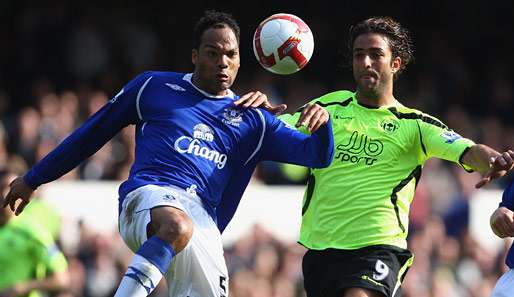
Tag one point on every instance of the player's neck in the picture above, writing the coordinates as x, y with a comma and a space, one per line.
202, 86
377, 99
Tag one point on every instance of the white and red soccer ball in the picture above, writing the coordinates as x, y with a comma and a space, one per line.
283, 43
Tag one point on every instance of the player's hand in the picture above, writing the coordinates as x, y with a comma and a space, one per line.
312, 117
11, 292
18, 189
258, 99
502, 222
498, 167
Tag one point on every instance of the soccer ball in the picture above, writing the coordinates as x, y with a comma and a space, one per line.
283, 43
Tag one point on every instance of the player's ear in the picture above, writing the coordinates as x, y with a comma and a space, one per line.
396, 63
194, 56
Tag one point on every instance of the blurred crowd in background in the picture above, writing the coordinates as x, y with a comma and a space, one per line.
61, 61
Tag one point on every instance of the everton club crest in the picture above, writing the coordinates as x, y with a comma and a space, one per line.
232, 116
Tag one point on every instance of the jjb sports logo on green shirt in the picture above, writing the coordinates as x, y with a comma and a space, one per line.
360, 149
363, 197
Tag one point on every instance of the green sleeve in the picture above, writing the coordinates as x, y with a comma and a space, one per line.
47, 252
442, 142
54, 259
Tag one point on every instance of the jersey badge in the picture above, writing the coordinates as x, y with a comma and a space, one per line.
389, 126
232, 116
450, 136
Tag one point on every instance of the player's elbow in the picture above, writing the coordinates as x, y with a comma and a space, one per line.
328, 157
324, 162
60, 281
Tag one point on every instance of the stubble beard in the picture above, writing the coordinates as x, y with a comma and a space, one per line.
370, 92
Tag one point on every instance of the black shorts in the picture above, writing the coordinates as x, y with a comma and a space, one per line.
379, 268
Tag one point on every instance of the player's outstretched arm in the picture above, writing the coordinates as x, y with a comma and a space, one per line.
258, 99
54, 282
490, 163
18, 189
312, 117
502, 222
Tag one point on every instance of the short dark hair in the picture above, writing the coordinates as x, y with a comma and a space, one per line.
214, 19
398, 38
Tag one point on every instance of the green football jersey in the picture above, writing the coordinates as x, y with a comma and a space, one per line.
27, 251
363, 197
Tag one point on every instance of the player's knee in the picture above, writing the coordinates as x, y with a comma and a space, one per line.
176, 228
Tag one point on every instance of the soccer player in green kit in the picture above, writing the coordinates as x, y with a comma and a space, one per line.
30, 261
355, 212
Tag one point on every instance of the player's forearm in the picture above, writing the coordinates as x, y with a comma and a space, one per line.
58, 281
478, 157
325, 144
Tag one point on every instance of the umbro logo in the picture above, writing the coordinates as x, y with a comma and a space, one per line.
339, 117
168, 197
176, 87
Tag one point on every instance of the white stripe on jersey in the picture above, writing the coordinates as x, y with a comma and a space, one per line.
262, 136
139, 97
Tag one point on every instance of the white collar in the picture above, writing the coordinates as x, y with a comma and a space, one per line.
188, 77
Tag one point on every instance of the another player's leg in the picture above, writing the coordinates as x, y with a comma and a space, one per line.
156, 229
505, 285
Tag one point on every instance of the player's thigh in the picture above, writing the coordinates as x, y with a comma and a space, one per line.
331, 272
135, 215
172, 225
360, 292
505, 285
200, 269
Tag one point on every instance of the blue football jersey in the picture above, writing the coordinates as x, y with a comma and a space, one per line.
508, 202
187, 138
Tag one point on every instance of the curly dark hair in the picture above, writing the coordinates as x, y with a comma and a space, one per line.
398, 38
214, 19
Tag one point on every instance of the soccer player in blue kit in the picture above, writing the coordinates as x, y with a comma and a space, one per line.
502, 224
194, 156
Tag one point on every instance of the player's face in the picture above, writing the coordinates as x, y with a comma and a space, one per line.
216, 61
373, 65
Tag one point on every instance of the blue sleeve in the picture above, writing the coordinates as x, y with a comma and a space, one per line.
118, 113
232, 195
508, 196
282, 143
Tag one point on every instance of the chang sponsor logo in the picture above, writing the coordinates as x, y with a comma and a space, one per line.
193, 146
360, 149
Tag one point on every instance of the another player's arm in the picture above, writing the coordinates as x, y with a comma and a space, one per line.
258, 99
285, 144
490, 163
82, 143
311, 115
440, 141
45, 252
57, 281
